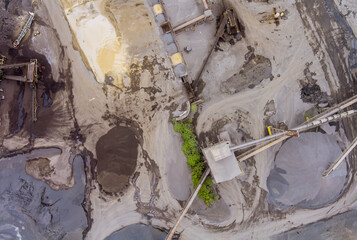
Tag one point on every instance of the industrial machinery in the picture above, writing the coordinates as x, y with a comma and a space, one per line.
24, 30
228, 24
276, 16
30, 76
266, 142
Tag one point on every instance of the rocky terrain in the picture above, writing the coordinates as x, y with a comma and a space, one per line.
103, 162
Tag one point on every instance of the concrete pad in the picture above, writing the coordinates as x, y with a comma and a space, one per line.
296, 178
182, 11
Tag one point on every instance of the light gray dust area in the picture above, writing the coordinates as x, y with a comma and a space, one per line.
342, 226
297, 178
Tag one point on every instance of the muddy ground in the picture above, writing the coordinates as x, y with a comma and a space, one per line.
292, 79
30, 209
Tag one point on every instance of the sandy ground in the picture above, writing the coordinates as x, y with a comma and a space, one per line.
148, 194
105, 52
123, 78
341, 226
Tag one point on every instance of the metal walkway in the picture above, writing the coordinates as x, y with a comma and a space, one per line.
340, 159
188, 204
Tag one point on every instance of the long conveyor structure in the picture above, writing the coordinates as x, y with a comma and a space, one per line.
24, 30
296, 130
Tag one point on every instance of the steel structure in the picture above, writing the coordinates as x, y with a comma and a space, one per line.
348, 102
24, 30
29, 77
229, 21
302, 128
340, 159
188, 204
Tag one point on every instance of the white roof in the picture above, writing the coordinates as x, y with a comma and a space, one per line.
220, 151
222, 162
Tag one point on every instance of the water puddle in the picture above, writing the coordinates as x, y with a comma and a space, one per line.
138, 232
30, 209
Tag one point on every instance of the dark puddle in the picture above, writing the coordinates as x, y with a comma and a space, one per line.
30, 209
138, 232
117, 153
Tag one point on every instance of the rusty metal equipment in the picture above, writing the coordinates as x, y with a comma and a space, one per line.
30, 76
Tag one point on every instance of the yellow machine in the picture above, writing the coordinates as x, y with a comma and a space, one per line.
276, 16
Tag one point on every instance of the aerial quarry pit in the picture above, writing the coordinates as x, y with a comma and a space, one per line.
190, 119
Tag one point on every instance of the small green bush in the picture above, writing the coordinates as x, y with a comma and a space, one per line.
193, 107
192, 152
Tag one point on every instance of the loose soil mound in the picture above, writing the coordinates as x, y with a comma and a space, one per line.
297, 176
117, 156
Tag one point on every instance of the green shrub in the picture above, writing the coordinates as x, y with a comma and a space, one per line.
193, 108
194, 161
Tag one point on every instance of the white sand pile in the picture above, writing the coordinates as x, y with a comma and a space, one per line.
99, 42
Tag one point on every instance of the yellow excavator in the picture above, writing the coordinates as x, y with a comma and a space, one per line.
276, 16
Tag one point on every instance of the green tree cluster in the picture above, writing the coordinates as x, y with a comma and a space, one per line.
192, 152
